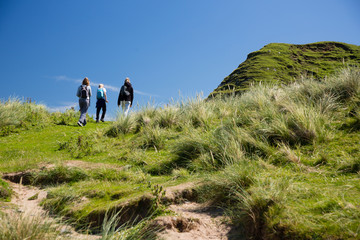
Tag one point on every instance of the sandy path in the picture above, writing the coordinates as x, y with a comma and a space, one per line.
26, 200
197, 222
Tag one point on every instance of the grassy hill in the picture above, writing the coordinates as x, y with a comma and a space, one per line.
283, 161
284, 63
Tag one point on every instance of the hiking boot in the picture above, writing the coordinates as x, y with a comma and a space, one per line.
80, 124
102, 120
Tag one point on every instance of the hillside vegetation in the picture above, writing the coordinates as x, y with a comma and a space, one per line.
283, 161
284, 63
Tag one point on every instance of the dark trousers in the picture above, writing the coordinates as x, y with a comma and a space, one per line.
100, 104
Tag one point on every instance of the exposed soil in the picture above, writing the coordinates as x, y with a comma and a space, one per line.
190, 220
193, 221
83, 164
26, 200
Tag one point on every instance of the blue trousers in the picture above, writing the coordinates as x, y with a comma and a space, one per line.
84, 106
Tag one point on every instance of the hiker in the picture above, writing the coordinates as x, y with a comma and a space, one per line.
101, 102
84, 94
126, 96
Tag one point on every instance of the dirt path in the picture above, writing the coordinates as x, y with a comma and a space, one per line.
194, 221
191, 221
26, 200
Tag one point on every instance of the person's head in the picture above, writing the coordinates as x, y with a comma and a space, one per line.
86, 81
127, 80
101, 85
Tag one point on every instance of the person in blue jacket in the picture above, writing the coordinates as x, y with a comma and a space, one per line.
101, 102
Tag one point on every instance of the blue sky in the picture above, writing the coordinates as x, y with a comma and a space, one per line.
168, 48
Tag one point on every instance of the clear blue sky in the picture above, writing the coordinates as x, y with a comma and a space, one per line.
165, 47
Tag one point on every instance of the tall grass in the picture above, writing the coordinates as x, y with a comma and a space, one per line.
25, 226
267, 153
263, 183
15, 113
112, 230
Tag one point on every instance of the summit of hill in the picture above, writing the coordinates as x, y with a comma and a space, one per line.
283, 63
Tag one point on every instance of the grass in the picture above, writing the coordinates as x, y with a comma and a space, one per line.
284, 63
281, 160
21, 226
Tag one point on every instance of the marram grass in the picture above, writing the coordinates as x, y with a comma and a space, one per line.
282, 160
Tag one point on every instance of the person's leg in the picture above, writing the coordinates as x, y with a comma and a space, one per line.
98, 108
84, 105
127, 107
82, 112
123, 106
103, 111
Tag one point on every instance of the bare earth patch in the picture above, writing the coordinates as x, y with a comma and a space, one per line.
26, 200
82, 164
193, 221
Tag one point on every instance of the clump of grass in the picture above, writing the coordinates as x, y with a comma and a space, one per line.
58, 175
19, 114
349, 166
153, 137
168, 117
69, 117
196, 113
22, 226
5, 191
345, 84
105, 174
122, 125
188, 148
113, 230
83, 145
59, 199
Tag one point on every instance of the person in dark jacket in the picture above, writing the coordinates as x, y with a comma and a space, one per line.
126, 96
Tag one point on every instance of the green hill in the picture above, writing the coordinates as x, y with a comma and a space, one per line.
283, 63
282, 161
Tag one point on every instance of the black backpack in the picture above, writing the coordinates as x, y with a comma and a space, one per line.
84, 91
124, 91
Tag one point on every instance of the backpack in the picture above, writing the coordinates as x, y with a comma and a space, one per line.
100, 93
124, 91
84, 92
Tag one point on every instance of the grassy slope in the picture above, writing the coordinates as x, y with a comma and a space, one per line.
284, 63
283, 162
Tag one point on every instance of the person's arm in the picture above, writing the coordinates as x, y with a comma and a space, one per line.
78, 92
105, 96
132, 95
119, 98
